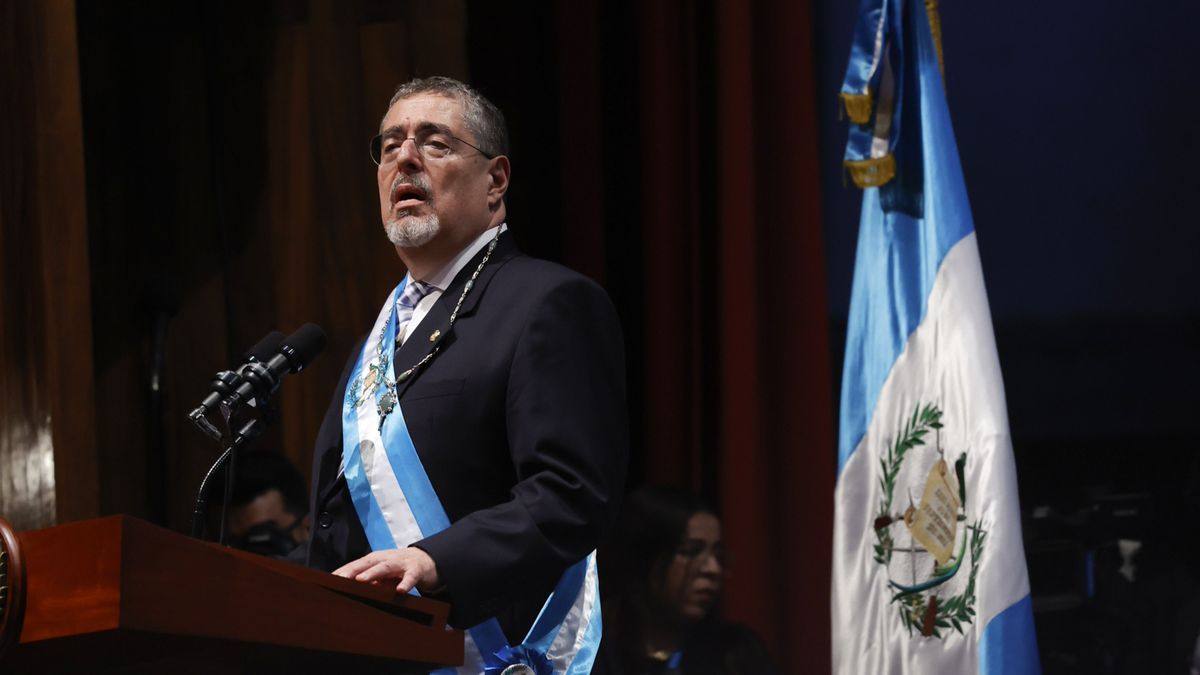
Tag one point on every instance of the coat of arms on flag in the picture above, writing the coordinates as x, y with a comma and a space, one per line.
928, 565
922, 569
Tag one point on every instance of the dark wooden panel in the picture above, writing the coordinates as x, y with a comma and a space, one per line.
232, 193
47, 452
155, 246
26, 453
62, 223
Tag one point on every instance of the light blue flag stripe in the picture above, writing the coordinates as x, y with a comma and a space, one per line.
1009, 642
897, 262
898, 258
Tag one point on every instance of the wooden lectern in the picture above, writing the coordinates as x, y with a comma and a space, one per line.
121, 595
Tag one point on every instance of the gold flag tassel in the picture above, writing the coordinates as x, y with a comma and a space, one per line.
858, 106
871, 172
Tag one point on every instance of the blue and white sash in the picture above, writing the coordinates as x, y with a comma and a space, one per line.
397, 506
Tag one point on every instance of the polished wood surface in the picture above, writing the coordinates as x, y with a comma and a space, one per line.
48, 462
132, 590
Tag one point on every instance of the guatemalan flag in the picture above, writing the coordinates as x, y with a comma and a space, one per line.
928, 567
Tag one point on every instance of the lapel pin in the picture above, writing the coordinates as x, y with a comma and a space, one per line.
435, 335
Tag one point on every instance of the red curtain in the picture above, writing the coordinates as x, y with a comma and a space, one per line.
735, 387
777, 453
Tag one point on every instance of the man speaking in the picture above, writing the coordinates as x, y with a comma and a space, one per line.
476, 447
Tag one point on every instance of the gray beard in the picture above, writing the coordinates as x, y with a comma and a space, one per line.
411, 232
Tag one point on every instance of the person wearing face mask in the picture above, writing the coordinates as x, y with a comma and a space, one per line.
475, 448
664, 567
268, 510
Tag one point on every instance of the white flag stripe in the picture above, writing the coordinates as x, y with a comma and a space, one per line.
950, 361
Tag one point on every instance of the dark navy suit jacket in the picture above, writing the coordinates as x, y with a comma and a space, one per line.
520, 422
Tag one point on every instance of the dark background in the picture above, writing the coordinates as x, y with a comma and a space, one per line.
687, 156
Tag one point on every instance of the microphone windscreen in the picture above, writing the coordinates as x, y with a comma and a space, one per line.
265, 349
303, 346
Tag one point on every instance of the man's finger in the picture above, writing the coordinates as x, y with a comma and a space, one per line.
408, 582
384, 569
354, 567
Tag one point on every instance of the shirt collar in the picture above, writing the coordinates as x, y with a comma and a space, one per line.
441, 279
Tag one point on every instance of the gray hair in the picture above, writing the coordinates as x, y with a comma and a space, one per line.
484, 120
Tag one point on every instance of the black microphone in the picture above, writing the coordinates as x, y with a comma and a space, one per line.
227, 381
265, 347
261, 379
253, 383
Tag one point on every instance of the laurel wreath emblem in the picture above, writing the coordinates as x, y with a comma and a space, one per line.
924, 610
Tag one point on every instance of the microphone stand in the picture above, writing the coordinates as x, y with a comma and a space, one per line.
249, 431
251, 385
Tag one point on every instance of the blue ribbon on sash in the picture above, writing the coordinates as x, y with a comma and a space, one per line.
431, 518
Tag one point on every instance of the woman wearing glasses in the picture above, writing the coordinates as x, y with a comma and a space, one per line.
663, 572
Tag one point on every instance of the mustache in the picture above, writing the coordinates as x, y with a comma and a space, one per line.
418, 182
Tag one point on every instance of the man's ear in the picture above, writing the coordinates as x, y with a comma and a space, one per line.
498, 174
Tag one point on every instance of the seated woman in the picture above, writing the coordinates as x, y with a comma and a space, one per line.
662, 573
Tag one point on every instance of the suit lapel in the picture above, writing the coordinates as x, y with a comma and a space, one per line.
436, 323
434, 331
418, 344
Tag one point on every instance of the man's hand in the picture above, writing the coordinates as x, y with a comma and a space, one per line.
409, 567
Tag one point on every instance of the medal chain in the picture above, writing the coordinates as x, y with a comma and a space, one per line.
387, 403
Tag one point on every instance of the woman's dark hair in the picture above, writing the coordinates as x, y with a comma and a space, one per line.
652, 524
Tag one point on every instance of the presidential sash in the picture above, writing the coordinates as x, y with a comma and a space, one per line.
397, 506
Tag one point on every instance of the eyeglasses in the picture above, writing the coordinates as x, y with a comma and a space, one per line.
431, 144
